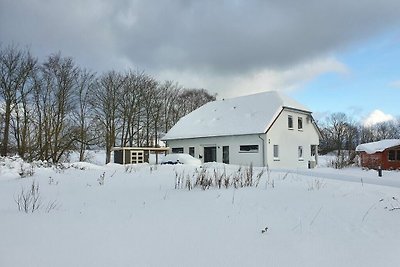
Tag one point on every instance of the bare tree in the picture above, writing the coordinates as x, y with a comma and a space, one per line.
169, 94
16, 66
386, 130
105, 103
340, 134
337, 126
54, 107
82, 114
366, 134
130, 108
195, 98
151, 104
54, 102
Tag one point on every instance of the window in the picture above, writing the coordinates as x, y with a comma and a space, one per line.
313, 150
300, 123
225, 154
300, 152
276, 152
177, 150
290, 122
249, 148
210, 154
392, 155
191, 151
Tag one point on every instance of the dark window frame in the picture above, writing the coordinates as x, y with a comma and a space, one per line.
300, 123
276, 152
248, 148
177, 150
192, 151
225, 154
290, 122
313, 150
300, 152
392, 155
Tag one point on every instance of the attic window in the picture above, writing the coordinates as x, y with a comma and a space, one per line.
290, 121
300, 123
249, 148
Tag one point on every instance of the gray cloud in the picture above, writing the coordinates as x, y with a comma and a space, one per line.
220, 37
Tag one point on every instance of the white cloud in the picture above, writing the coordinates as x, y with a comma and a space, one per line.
257, 81
377, 116
289, 79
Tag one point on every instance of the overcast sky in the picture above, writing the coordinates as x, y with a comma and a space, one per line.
320, 52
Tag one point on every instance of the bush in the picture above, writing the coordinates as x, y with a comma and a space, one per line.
29, 201
207, 178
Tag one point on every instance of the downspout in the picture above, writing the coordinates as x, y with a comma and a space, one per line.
263, 149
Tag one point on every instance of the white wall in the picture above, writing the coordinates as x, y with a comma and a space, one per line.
290, 139
234, 142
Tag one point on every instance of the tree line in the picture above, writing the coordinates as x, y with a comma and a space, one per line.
341, 135
52, 107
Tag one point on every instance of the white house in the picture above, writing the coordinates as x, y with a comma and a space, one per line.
265, 129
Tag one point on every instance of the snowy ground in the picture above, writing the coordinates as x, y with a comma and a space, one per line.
138, 218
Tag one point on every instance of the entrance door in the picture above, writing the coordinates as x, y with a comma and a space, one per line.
210, 154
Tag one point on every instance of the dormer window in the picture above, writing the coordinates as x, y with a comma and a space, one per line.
290, 122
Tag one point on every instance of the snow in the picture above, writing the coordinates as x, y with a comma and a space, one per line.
138, 218
378, 146
251, 114
180, 158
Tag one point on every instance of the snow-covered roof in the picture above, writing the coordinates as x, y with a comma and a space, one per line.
250, 114
378, 146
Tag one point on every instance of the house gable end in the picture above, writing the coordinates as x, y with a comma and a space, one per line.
252, 114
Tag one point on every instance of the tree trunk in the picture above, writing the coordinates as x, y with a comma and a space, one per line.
7, 119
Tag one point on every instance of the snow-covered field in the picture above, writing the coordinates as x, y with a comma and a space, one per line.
113, 215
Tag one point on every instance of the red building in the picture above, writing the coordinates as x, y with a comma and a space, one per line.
384, 154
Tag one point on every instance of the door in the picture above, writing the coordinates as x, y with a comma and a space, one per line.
137, 156
210, 154
225, 154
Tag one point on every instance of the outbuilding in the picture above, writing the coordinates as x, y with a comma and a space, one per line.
384, 154
264, 129
135, 155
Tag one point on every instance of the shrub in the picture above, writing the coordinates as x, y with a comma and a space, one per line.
29, 201
206, 178
26, 170
315, 184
